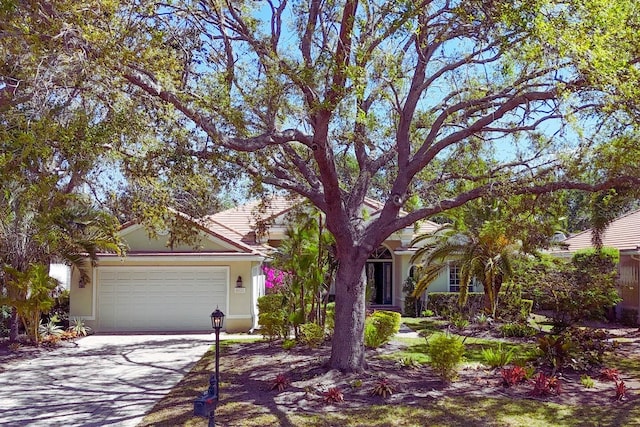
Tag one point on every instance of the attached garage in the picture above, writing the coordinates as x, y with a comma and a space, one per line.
146, 298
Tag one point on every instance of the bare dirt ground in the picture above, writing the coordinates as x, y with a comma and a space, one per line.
250, 369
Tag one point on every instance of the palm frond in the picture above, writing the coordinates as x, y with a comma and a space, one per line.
426, 276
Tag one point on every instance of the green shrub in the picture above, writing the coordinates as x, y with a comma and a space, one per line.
379, 327
583, 289
60, 309
312, 334
580, 349
496, 358
288, 344
591, 347
329, 320
587, 381
272, 317
517, 330
427, 313
445, 352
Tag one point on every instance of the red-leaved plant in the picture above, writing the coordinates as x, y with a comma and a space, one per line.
333, 395
545, 386
280, 382
513, 376
609, 374
621, 390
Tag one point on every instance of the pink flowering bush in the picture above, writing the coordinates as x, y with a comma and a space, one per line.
274, 279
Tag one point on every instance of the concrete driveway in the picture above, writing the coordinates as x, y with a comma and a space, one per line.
104, 380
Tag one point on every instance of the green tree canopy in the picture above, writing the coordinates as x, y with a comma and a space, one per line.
445, 101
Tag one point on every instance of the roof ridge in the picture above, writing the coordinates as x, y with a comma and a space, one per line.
633, 212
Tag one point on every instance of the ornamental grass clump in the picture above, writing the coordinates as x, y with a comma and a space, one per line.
445, 352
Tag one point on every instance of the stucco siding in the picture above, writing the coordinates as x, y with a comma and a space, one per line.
138, 240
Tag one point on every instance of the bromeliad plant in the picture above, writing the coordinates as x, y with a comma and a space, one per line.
609, 374
621, 390
587, 381
280, 382
333, 395
383, 387
408, 362
50, 330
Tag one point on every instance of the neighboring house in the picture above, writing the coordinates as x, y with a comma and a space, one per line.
62, 273
156, 288
624, 235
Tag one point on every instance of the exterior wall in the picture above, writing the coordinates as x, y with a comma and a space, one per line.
139, 240
441, 284
80, 299
401, 265
629, 282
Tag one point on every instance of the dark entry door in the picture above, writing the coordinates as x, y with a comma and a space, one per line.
379, 281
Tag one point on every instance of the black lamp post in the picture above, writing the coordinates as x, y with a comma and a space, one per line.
205, 405
217, 317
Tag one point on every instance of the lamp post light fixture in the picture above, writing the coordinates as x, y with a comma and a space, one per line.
217, 317
239, 282
205, 405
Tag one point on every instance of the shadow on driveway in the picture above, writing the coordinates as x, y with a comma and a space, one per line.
104, 380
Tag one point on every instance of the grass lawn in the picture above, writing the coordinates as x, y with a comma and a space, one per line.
246, 398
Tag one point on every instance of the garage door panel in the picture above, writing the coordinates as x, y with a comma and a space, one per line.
160, 299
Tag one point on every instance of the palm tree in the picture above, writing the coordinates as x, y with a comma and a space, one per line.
35, 231
483, 253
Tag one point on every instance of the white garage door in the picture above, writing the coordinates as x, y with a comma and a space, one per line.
159, 298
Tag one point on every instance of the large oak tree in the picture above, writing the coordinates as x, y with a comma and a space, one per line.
424, 104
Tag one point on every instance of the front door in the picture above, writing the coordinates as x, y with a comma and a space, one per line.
379, 271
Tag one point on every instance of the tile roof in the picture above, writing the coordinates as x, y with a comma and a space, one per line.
623, 233
241, 220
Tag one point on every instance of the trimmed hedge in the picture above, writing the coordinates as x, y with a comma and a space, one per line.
445, 304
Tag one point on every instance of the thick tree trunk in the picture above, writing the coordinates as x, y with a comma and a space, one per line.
347, 350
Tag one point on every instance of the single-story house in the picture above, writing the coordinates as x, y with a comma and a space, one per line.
158, 288
624, 235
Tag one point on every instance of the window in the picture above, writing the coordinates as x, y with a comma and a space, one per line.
454, 279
